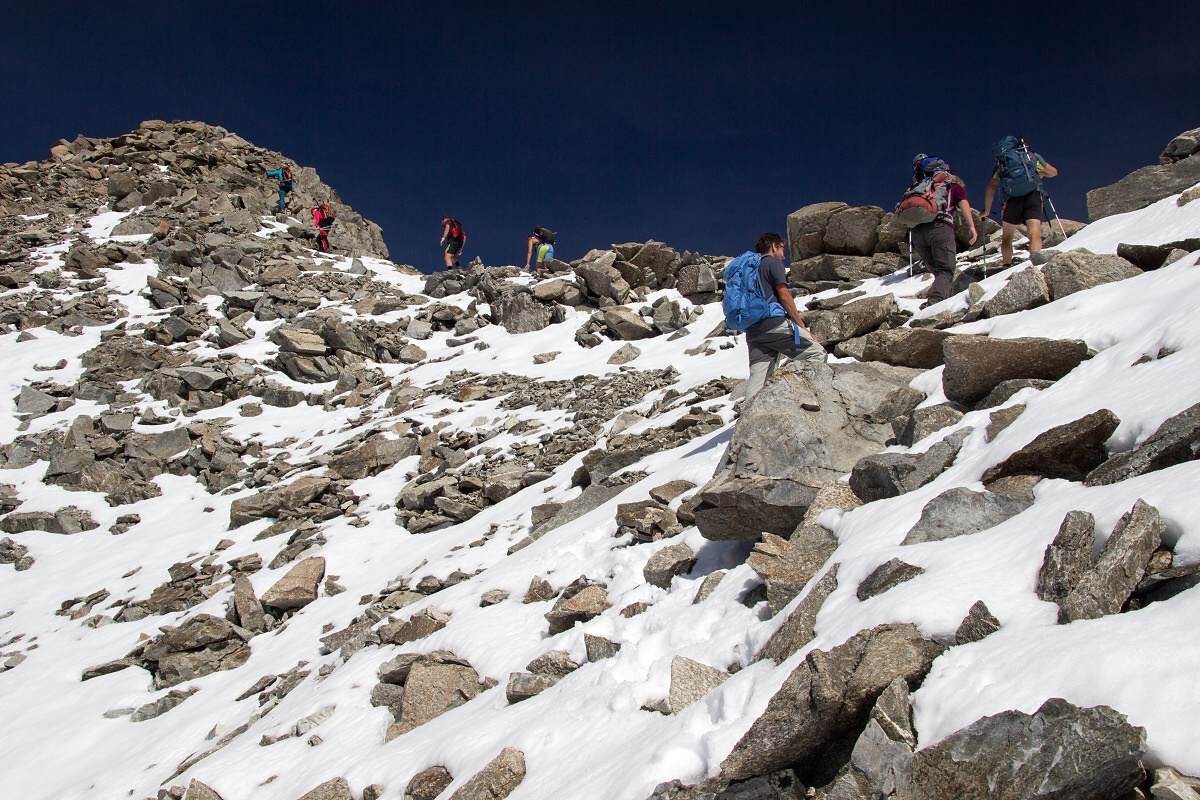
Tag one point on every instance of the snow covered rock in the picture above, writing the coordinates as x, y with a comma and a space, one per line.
497, 780
809, 425
1119, 567
1078, 270
977, 364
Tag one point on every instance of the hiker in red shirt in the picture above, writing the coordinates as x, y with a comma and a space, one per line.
452, 233
323, 220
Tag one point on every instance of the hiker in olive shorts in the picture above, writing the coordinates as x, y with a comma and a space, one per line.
770, 340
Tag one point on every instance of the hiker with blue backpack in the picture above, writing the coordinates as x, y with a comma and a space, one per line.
928, 211
769, 317
285, 183
1019, 174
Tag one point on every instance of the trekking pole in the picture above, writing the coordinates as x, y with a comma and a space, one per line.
1050, 203
910, 261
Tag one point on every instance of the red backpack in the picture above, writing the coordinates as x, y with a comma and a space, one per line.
928, 198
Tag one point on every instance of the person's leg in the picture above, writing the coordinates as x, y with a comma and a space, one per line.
1007, 233
282, 199
1033, 220
449, 258
920, 244
942, 251
769, 348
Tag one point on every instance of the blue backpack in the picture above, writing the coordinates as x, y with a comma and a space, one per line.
1016, 167
745, 302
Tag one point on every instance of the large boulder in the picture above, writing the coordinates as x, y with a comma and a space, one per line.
1062, 752
828, 697
806, 228
1069, 451
960, 512
906, 347
520, 313
1119, 567
1177, 440
810, 424
298, 587
853, 319
437, 683
624, 324
1077, 270
976, 364
1025, 289
853, 231
1143, 187
497, 779
1182, 146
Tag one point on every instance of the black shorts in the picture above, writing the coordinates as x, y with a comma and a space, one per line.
454, 246
1018, 209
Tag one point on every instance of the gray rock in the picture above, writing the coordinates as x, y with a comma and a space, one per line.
521, 313
828, 698
1006, 389
67, 520
1170, 785
976, 364
120, 184
624, 354
524, 685
808, 426
1119, 567
388, 695
249, 610
853, 231
160, 446
978, 624
696, 282
1000, 419
199, 791
1067, 558
497, 780
577, 603
624, 324
892, 474
554, 663
600, 275
598, 648
806, 228
301, 343
1061, 752
1143, 187
676, 559
425, 622
853, 319
373, 456
335, 789
960, 512
31, 401
691, 681
1078, 270
298, 587
923, 421
800, 626
1181, 147
437, 683
906, 347
886, 576
1144, 256
428, 784
1025, 289
1176, 441
786, 566
1069, 451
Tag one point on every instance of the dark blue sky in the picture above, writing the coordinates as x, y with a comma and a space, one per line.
699, 124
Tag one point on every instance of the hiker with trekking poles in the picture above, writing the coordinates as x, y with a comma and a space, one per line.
927, 209
1019, 174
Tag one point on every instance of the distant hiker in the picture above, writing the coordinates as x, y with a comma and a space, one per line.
769, 317
453, 238
543, 239
1018, 173
323, 220
928, 209
285, 183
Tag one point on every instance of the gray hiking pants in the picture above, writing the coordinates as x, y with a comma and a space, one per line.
769, 346
934, 244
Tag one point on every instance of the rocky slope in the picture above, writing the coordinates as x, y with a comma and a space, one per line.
277, 520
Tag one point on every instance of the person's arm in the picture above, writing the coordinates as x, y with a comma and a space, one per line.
528, 250
989, 194
965, 208
789, 305
445, 232
1045, 170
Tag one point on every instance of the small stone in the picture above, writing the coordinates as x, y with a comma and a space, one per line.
690, 681
978, 624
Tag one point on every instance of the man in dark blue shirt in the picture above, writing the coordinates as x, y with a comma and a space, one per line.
777, 337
